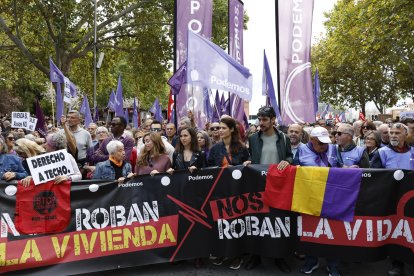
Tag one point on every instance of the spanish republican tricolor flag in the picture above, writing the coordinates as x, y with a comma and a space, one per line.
318, 191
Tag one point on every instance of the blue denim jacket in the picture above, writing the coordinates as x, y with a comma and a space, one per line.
12, 163
104, 170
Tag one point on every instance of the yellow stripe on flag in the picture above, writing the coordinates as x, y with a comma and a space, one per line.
309, 190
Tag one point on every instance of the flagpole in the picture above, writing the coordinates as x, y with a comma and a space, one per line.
277, 54
94, 58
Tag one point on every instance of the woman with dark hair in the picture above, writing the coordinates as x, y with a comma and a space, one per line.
187, 155
366, 126
11, 167
204, 142
372, 143
231, 150
153, 157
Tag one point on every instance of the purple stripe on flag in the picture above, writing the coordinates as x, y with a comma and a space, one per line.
340, 195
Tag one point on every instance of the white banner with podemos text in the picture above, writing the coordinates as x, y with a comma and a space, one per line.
47, 166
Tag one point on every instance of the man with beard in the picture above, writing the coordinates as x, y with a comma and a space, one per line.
397, 155
295, 134
269, 146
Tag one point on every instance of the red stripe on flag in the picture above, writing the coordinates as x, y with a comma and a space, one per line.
279, 187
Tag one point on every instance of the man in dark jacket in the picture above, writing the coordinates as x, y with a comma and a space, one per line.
269, 146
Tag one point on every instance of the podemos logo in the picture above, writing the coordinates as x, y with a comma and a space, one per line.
199, 177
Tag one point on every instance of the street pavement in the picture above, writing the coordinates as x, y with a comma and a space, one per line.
267, 267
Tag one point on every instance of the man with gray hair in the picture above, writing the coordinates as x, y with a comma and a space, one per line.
92, 129
384, 129
397, 155
82, 137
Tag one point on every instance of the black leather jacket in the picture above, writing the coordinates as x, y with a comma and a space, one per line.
198, 159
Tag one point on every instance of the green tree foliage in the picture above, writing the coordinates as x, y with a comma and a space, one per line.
367, 53
136, 37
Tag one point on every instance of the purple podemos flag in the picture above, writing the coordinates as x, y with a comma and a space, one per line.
86, 111
208, 66
119, 99
295, 29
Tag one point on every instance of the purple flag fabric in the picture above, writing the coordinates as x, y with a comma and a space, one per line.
59, 103
316, 91
126, 115
294, 61
57, 76
268, 89
197, 17
178, 79
346, 193
41, 122
111, 102
156, 110
86, 111
135, 116
236, 30
342, 117
236, 11
225, 103
217, 109
208, 110
119, 99
96, 115
323, 114
209, 66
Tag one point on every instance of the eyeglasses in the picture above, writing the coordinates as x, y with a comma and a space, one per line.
214, 128
101, 132
340, 133
370, 138
156, 129
10, 138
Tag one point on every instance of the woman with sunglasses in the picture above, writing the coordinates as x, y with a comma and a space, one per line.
366, 126
153, 157
10, 139
11, 167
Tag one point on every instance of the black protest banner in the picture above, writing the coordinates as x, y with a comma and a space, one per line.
212, 211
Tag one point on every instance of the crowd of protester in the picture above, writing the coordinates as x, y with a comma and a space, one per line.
116, 151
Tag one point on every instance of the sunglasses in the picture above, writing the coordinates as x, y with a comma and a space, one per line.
340, 133
10, 138
156, 129
214, 128
366, 127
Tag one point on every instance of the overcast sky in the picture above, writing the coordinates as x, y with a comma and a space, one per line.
261, 35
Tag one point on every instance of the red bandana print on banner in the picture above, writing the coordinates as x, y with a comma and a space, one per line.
43, 208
